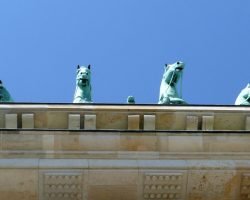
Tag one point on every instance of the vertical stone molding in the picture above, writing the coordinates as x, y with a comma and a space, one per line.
74, 121
28, 121
133, 122
11, 121
90, 122
247, 126
149, 122
207, 123
192, 123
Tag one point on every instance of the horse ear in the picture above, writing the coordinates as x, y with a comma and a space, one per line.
89, 66
1, 82
78, 66
166, 65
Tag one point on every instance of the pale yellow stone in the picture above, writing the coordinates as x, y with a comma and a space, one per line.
2, 120
213, 185
16, 184
229, 121
149, 122
90, 122
57, 120
60, 184
227, 143
74, 121
105, 192
138, 142
112, 120
11, 121
185, 143
170, 121
207, 123
247, 123
66, 142
113, 177
192, 123
22, 142
48, 142
28, 121
133, 122
99, 142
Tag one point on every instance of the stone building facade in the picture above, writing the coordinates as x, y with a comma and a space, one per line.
124, 152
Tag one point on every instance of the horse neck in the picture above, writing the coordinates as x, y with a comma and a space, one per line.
83, 92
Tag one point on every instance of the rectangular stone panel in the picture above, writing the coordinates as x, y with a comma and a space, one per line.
57, 185
207, 123
74, 121
11, 121
28, 121
149, 122
90, 122
165, 185
133, 122
192, 123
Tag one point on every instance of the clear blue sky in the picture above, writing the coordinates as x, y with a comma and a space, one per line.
127, 42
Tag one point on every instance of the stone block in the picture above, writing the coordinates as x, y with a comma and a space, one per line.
245, 185
164, 185
229, 121
11, 121
22, 142
66, 142
28, 121
149, 122
60, 185
48, 142
192, 123
133, 122
138, 142
90, 122
185, 143
112, 120
207, 123
115, 192
113, 177
247, 126
16, 184
212, 185
74, 121
98, 142
57, 120
226, 143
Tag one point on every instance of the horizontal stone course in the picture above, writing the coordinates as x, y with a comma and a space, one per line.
124, 117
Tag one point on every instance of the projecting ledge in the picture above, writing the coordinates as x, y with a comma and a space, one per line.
124, 164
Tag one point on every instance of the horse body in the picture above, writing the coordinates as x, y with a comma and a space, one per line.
4, 94
244, 96
168, 90
83, 85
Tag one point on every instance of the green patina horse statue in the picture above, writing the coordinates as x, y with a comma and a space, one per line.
83, 85
244, 96
4, 94
168, 90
